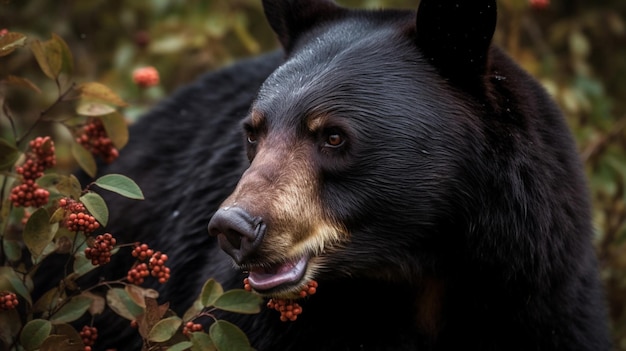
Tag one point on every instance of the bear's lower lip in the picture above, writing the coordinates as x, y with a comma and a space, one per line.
289, 273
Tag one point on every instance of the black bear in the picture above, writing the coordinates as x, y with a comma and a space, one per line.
425, 181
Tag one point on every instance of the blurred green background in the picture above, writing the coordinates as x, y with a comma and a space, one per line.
576, 48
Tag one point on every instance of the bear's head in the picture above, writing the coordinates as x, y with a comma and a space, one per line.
357, 144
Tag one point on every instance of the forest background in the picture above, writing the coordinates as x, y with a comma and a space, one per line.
576, 48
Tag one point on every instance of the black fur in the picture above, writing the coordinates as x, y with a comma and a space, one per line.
459, 184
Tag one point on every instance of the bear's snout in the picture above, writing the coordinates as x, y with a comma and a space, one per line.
238, 232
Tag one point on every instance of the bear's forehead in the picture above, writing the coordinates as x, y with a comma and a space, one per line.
345, 66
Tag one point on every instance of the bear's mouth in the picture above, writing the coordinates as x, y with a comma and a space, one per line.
284, 275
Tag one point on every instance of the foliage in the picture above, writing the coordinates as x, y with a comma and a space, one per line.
43, 213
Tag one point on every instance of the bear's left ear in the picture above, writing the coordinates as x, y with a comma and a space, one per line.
455, 36
290, 18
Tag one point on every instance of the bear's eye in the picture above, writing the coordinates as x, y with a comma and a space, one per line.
334, 140
251, 138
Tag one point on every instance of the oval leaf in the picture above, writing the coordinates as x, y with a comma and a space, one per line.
210, 292
82, 264
100, 92
164, 329
11, 41
122, 304
9, 280
69, 186
94, 109
67, 58
116, 128
8, 154
181, 346
12, 249
85, 159
61, 342
96, 206
71, 311
37, 232
22, 82
228, 337
10, 325
34, 333
239, 301
49, 56
201, 342
120, 184
49, 300
97, 303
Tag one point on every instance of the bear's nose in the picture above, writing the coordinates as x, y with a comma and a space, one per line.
238, 232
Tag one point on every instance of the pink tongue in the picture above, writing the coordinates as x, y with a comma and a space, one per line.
289, 272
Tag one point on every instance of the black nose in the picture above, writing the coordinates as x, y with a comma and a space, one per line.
238, 232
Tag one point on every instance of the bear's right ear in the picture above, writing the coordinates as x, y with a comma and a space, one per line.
290, 18
455, 36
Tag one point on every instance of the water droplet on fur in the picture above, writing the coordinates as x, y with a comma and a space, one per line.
175, 213
498, 77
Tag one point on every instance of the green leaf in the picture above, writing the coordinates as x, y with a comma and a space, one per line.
71, 311
85, 159
12, 249
116, 128
34, 333
67, 58
71, 333
180, 346
228, 337
49, 300
10, 324
49, 56
164, 329
239, 301
67, 185
120, 184
100, 92
10, 281
61, 342
122, 304
11, 41
192, 311
38, 232
210, 292
94, 109
82, 265
201, 342
96, 206
8, 154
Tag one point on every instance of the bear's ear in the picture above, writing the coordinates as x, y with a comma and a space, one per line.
455, 36
290, 18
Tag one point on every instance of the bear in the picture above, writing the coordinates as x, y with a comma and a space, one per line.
400, 160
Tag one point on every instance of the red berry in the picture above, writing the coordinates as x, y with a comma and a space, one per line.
146, 76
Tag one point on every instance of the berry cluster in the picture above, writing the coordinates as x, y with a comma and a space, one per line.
138, 273
146, 76
77, 218
100, 251
191, 327
158, 268
155, 265
89, 336
142, 252
38, 159
288, 308
8, 300
95, 139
